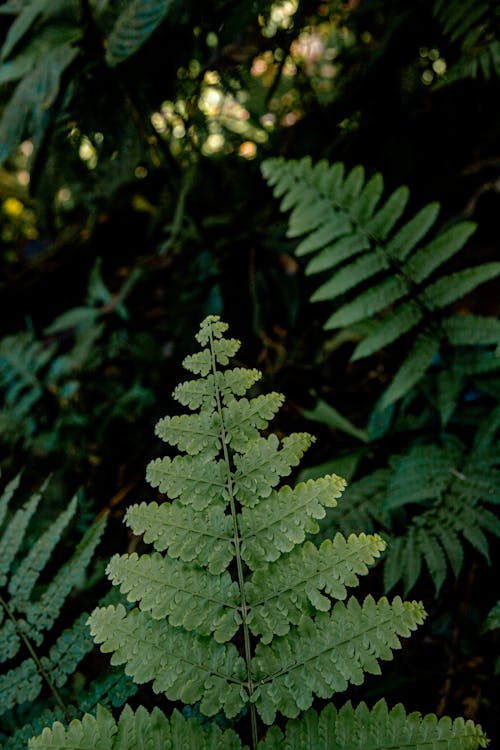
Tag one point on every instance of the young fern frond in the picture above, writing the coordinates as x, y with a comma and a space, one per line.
241, 613
26, 615
380, 269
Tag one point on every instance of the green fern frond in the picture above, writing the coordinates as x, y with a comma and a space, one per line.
378, 729
322, 656
181, 664
382, 269
25, 613
447, 495
191, 601
134, 731
192, 598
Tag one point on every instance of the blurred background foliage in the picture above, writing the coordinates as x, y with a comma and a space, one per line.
132, 204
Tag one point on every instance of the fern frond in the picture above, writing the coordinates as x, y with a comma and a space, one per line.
374, 262
19, 685
203, 537
324, 655
28, 110
135, 731
24, 579
13, 535
273, 593
68, 651
189, 597
451, 493
378, 728
183, 665
42, 614
276, 526
133, 27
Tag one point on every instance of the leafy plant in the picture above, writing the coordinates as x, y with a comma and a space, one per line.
388, 282
475, 28
43, 380
431, 499
242, 613
29, 610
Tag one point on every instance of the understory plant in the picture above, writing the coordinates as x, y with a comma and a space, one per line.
237, 612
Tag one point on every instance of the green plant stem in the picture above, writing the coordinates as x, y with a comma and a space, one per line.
239, 566
35, 658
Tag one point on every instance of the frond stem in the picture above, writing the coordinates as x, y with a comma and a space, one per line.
34, 656
236, 541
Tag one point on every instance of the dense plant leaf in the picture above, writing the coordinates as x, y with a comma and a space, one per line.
133, 27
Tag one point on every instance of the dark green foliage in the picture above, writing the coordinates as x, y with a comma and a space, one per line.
356, 240
133, 26
475, 28
432, 499
30, 605
41, 375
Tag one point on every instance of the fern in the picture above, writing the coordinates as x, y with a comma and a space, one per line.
133, 27
29, 607
40, 373
441, 496
475, 28
241, 613
388, 279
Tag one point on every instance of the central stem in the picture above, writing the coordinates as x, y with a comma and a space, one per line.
236, 541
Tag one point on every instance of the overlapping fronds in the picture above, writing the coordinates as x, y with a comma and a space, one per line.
379, 729
29, 605
385, 273
475, 28
134, 731
235, 611
432, 499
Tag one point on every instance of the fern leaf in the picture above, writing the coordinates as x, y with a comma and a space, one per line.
21, 25
203, 537
133, 28
192, 433
26, 575
261, 467
282, 521
68, 651
189, 478
244, 419
350, 276
135, 731
378, 729
332, 230
409, 235
413, 368
438, 251
201, 393
182, 665
42, 614
9, 638
463, 330
342, 250
13, 535
456, 285
7, 495
325, 655
405, 317
370, 196
368, 303
274, 594
189, 597
28, 110
381, 224
19, 685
